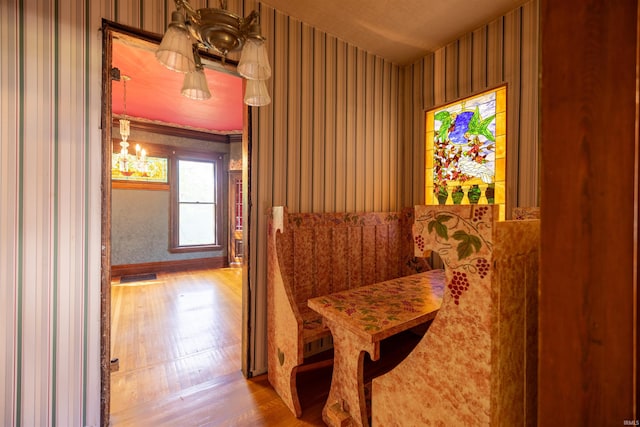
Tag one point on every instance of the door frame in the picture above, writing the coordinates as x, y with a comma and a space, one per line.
233, 235
108, 29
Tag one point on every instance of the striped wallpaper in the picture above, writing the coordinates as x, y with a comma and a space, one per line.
344, 133
503, 51
345, 130
49, 214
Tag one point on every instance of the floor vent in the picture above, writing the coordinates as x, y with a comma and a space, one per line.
138, 278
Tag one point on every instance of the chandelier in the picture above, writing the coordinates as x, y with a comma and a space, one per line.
130, 164
222, 32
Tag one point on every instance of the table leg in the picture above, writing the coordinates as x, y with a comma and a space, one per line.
346, 405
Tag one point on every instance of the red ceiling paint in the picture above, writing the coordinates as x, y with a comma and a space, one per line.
153, 93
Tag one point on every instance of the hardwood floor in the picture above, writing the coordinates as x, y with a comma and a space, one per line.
178, 341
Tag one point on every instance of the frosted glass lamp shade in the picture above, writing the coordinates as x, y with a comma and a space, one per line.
254, 62
195, 86
256, 93
124, 129
175, 51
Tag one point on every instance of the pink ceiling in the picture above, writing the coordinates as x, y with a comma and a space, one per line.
153, 93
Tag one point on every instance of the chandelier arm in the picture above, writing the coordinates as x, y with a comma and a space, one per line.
250, 19
190, 12
193, 16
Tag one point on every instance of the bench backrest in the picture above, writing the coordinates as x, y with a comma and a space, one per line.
482, 345
526, 213
322, 253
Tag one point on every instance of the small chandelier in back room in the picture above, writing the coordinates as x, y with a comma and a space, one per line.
129, 164
222, 32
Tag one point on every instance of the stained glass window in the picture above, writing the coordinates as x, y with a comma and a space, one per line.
466, 151
150, 169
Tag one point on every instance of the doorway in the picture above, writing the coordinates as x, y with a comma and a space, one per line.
115, 32
236, 206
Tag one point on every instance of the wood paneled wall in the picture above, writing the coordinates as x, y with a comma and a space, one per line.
344, 132
588, 366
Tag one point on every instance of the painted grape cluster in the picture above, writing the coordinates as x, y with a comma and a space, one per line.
458, 284
483, 267
420, 242
479, 212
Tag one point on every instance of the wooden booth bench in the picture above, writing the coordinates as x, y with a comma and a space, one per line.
477, 363
317, 254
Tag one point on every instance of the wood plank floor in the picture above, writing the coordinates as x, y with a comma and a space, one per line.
178, 341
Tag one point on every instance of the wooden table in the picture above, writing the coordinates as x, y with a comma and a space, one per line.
359, 319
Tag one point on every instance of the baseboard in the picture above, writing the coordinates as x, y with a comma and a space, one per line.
168, 266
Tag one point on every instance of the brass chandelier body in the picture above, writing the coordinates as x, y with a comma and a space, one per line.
223, 32
219, 29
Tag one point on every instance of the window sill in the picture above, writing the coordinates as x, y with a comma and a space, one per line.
196, 248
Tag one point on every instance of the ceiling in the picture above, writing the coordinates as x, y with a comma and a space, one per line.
153, 93
399, 31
